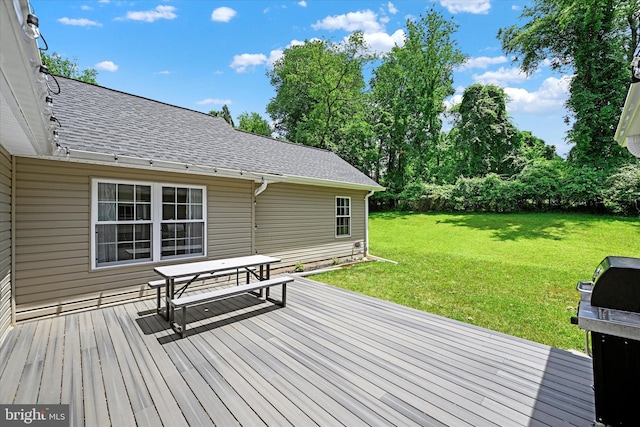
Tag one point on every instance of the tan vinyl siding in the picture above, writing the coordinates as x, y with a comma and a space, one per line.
53, 201
5, 241
297, 223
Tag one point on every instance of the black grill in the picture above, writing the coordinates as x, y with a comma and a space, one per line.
616, 284
609, 312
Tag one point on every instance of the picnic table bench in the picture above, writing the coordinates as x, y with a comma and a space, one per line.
159, 284
192, 300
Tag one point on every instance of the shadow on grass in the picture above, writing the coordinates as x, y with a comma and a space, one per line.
516, 227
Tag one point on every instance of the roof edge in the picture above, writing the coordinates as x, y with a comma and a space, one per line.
90, 157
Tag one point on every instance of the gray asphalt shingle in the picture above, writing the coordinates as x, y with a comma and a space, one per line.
102, 120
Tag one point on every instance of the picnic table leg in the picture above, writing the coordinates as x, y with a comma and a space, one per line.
169, 296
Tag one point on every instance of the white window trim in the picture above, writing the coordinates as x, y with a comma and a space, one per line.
156, 220
336, 216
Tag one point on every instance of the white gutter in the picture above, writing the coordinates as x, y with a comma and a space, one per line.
366, 222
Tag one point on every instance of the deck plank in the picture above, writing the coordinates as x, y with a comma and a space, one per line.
331, 357
96, 411
33, 366
11, 374
120, 410
72, 389
51, 388
143, 350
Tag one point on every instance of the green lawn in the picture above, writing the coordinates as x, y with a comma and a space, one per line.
514, 273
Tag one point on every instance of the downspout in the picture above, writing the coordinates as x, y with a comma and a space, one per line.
260, 189
366, 222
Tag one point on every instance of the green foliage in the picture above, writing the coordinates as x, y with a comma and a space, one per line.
486, 140
514, 273
299, 267
320, 96
224, 113
408, 92
254, 123
68, 68
595, 41
623, 190
541, 186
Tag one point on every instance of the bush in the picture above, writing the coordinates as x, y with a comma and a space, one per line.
623, 191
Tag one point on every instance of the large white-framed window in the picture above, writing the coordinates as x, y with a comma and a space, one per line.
343, 216
141, 222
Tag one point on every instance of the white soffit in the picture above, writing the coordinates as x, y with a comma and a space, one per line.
628, 131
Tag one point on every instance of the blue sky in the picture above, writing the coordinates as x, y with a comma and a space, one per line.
203, 54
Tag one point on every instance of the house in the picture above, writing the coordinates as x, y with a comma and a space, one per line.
628, 131
102, 186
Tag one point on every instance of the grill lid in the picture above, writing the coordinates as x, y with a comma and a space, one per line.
616, 284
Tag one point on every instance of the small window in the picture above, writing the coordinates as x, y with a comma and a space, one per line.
343, 216
146, 222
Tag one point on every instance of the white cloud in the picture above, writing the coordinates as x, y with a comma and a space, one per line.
274, 55
164, 72
107, 66
82, 22
214, 101
85, 7
392, 9
160, 12
482, 62
467, 6
365, 20
240, 63
551, 95
380, 42
302, 3
501, 76
223, 14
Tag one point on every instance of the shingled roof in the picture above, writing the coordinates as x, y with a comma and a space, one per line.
105, 121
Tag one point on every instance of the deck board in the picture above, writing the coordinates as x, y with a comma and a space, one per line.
330, 357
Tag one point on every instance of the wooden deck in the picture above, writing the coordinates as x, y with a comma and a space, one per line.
330, 357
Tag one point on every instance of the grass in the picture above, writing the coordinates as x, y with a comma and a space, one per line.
513, 273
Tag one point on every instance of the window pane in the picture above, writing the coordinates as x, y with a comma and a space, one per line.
106, 192
168, 195
125, 211
106, 233
125, 251
106, 211
125, 193
181, 212
143, 212
168, 212
143, 193
183, 194
106, 253
196, 196
125, 233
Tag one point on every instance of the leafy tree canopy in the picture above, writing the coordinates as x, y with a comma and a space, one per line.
68, 68
224, 113
595, 40
254, 123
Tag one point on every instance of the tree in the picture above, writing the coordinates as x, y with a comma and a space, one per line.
68, 68
408, 92
320, 96
595, 40
254, 123
486, 140
225, 114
